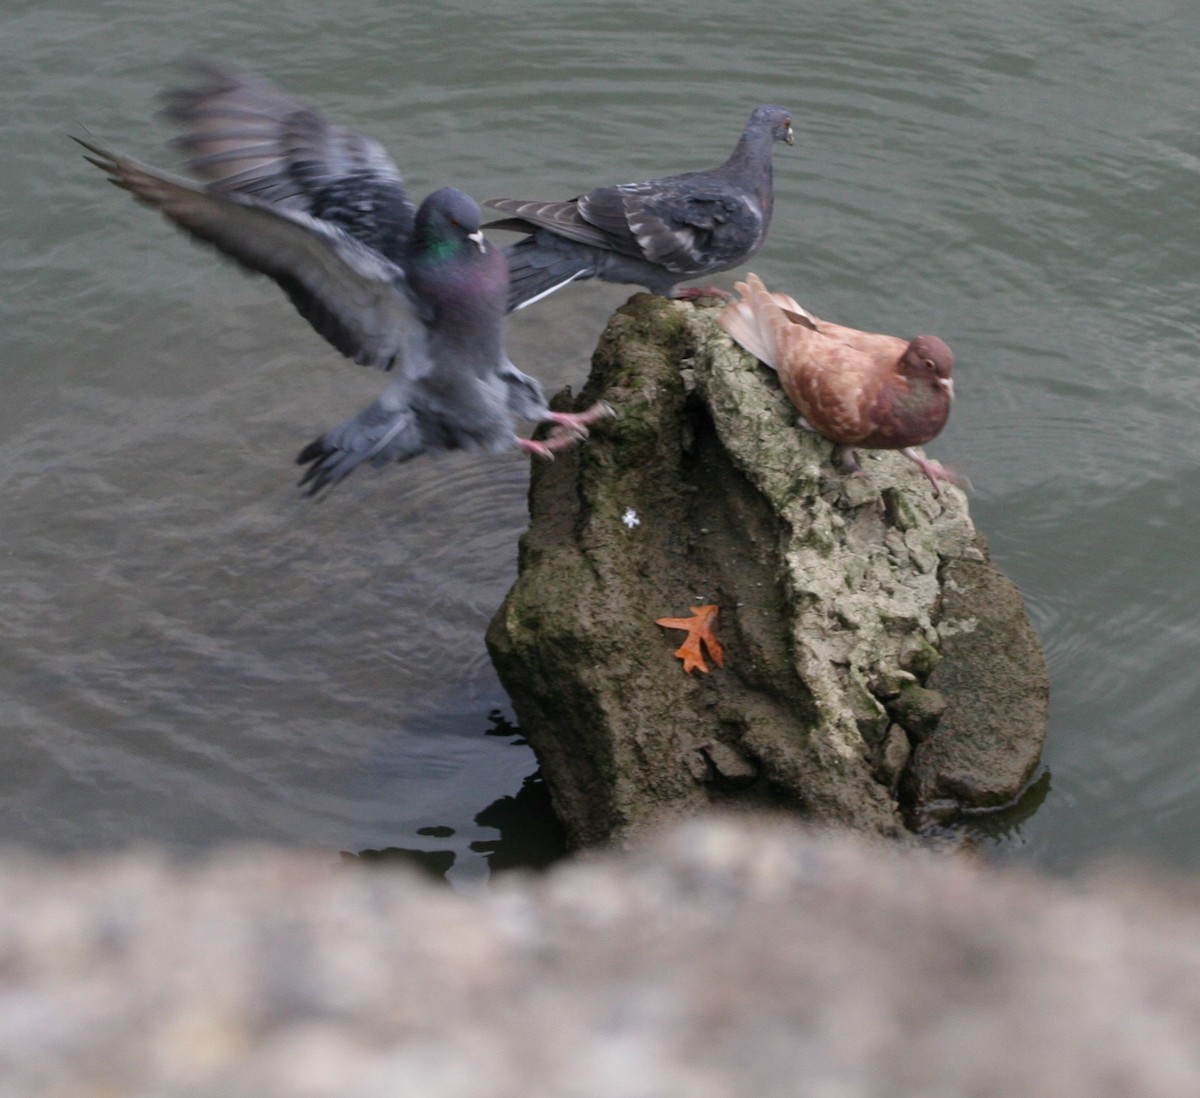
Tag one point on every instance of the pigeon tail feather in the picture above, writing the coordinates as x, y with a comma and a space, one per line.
534, 272
757, 321
379, 434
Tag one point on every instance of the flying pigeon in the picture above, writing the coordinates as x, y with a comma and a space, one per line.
653, 234
323, 211
854, 388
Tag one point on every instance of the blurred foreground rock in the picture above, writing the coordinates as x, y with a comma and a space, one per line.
880, 671
724, 959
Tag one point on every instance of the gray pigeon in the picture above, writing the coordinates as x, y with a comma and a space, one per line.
653, 234
323, 211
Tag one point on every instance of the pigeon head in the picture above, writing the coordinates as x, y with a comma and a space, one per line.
447, 219
927, 356
774, 119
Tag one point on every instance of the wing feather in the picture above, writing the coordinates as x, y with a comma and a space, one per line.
244, 135
561, 218
353, 296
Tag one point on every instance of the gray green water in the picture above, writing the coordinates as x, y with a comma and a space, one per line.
192, 653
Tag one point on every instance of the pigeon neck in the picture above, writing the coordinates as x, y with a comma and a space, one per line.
435, 249
751, 156
918, 411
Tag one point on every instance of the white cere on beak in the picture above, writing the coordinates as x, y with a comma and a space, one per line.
479, 239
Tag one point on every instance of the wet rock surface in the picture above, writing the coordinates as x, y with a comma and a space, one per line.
877, 664
726, 957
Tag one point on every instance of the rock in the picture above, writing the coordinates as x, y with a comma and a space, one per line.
725, 958
979, 753
917, 710
832, 594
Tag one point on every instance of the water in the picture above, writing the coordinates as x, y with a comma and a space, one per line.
194, 653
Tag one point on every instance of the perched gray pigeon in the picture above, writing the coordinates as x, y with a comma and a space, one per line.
323, 211
653, 234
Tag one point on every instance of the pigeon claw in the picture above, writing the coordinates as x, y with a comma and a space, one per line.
936, 471
560, 438
569, 429
536, 449
577, 423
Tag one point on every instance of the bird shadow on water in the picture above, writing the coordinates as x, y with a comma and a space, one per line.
531, 836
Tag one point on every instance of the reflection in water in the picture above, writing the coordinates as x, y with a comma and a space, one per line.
946, 826
433, 863
1004, 824
529, 834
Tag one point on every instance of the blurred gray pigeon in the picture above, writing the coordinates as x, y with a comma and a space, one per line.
323, 211
653, 234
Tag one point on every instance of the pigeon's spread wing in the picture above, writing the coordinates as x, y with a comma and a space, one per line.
244, 135
350, 294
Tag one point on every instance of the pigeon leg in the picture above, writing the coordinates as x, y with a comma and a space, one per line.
550, 446
576, 424
569, 428
696, 293
935, 471
845, 460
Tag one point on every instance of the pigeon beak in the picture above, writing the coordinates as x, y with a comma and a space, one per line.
478, 239
789, 136
947, 384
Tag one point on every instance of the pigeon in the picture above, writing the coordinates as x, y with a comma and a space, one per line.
324, 212
653, 234
854, 388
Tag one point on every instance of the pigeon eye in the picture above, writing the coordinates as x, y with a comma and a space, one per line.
929, 364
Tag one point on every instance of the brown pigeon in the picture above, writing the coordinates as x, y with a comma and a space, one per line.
854, 388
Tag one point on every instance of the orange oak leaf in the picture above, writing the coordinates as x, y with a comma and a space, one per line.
699, 630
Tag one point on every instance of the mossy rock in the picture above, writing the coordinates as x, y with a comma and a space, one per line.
831, 590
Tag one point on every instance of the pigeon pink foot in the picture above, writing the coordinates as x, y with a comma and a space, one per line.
697, 293
936, 471
569, 428
577, 423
